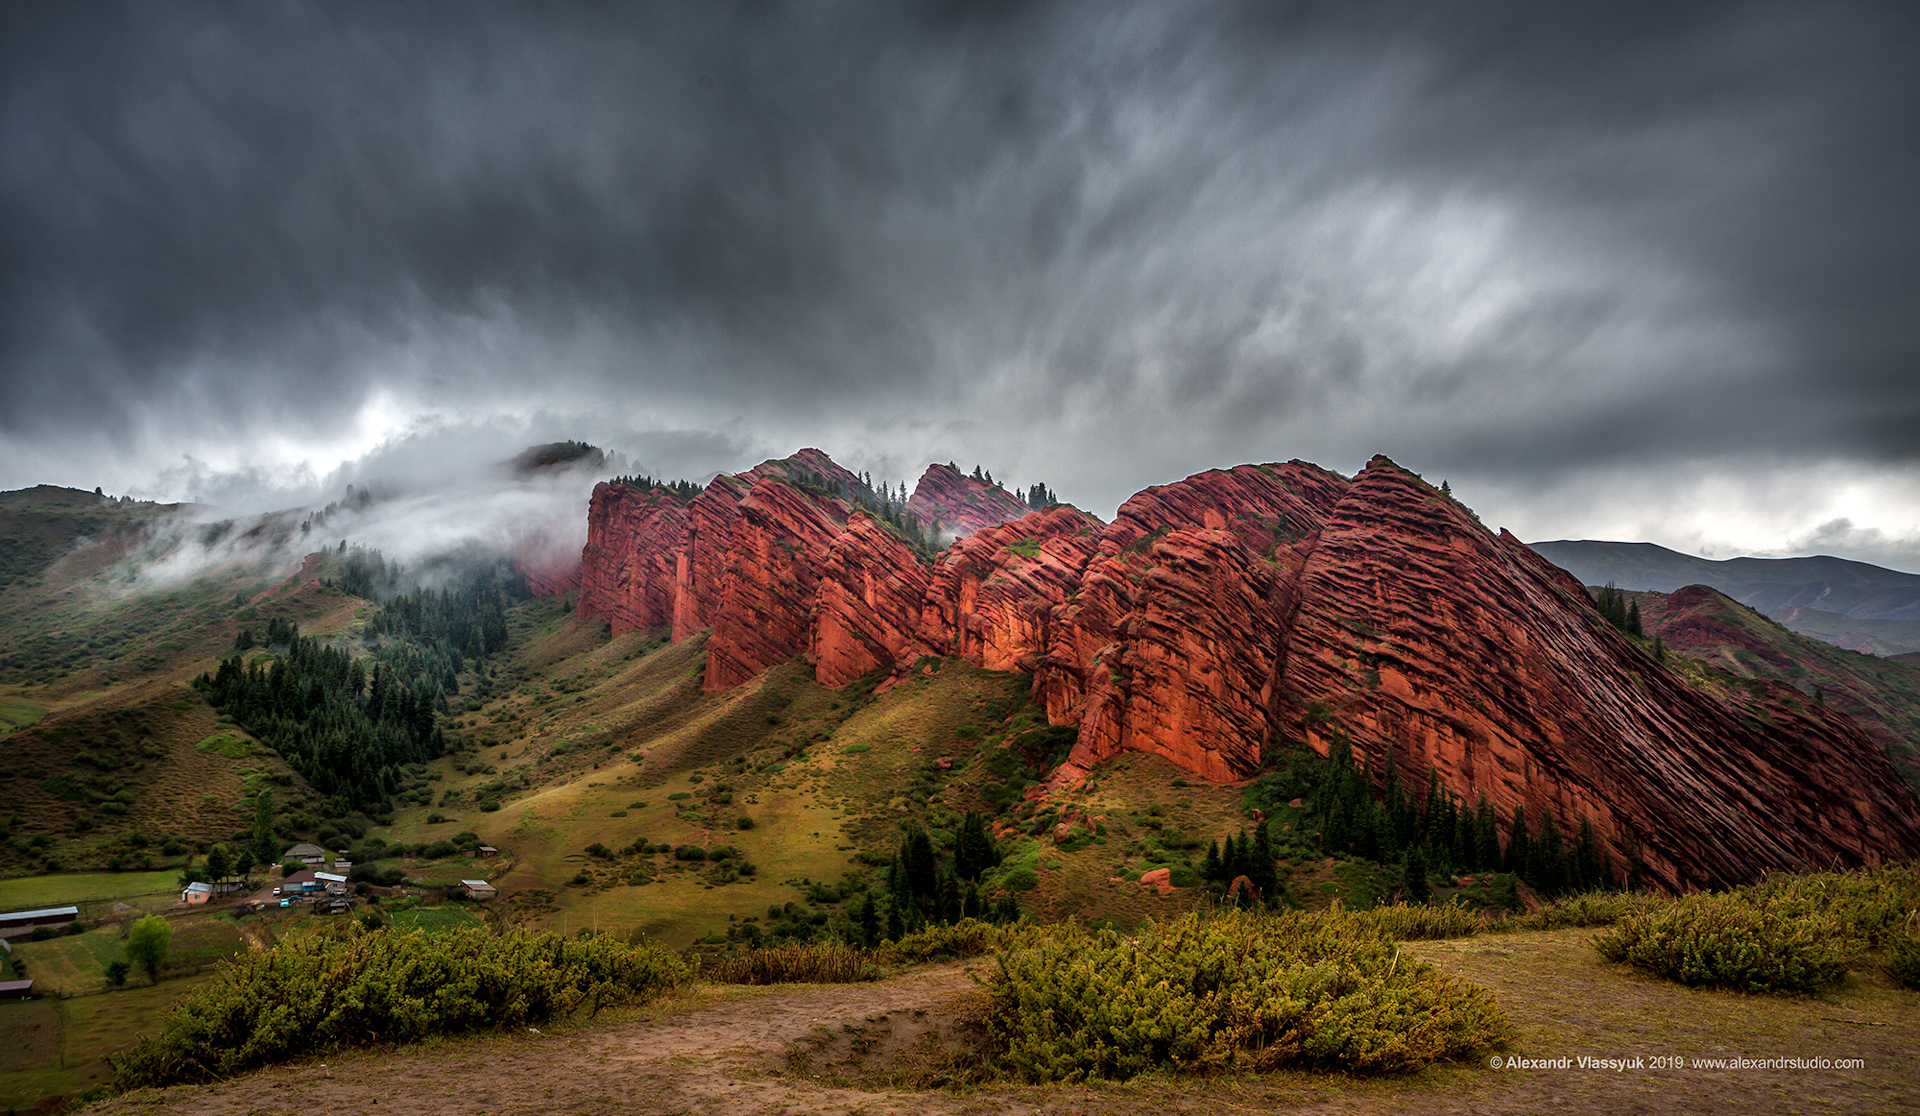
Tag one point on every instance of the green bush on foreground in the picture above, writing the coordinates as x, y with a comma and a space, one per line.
1784, 934
1730, 941
950, 941
323, 992
1235, 990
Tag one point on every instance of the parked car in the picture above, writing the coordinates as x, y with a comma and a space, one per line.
276, 891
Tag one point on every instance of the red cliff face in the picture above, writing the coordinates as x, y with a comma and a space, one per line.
1464, 653
1277, 601
867, 604
993, 593
627, 566
809, 465
960, 504
1143, 608
700, 555
780, 542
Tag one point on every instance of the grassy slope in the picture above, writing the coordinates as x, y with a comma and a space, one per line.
614, 740
1876, 637
101, 744
1724, 640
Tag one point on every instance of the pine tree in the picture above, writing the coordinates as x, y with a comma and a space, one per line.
1633, 627
1588, 870
1548, 858
1413, 870
1260, 867
1517, 856
1486, 836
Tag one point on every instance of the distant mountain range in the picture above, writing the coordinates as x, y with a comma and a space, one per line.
1850, 604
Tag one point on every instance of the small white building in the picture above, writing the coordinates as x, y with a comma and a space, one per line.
479, 889
335, 884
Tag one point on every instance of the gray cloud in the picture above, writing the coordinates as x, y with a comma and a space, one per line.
255, 249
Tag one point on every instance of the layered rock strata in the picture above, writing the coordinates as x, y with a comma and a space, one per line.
1239, 607
956, 505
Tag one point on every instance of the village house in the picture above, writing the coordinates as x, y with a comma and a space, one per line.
333, 883
15, 924
305, 853
479, 889
483, 851
299, 883
197, 893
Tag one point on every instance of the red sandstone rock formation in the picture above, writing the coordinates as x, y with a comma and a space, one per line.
627, 567
960, 504
1419, 632
868, 603
780, 542
1240, 606
1171, 643
992, 594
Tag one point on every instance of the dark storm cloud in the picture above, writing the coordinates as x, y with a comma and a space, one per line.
1500, 239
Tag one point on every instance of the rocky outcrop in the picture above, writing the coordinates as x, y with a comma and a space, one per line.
701, 555
867, 605
780, 541
992, 594
627, 567
1243, 606
809, 468
1135, 591
1421, 635
953, 504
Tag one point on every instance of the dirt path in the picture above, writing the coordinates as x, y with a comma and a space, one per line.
817, 1050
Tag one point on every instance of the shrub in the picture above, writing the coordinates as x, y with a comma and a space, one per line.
949, 941
1732, 941
743, 822
1020, 879
1903, 960
689, 852
1414, 923
1231, 991
321, 992
1592, 908
812, 962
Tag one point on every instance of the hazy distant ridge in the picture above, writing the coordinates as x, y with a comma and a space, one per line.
1768, 584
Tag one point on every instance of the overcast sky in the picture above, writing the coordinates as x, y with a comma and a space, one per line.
1615, 272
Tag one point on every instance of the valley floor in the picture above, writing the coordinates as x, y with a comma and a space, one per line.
837, 1049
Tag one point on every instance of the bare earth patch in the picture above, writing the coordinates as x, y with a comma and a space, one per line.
836, 1049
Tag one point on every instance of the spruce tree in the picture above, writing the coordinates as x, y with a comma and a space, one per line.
1261, 871
1548, 855
1414, 871
1518, 852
